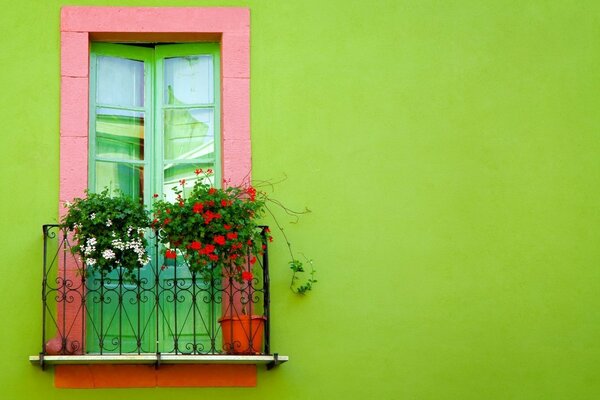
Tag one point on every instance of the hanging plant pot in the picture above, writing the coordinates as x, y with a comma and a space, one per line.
243, 334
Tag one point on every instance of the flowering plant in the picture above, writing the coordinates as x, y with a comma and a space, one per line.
108, 231
216, 230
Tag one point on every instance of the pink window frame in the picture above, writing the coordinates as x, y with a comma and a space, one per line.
81, 25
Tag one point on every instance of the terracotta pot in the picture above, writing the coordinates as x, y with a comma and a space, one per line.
243, 334
54, 346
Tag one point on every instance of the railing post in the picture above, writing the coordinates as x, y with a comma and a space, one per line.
157, 270
266, 288
45, 230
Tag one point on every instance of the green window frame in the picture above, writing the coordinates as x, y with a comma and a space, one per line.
154, 165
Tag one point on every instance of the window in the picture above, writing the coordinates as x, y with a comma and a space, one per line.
154, 116
154, 120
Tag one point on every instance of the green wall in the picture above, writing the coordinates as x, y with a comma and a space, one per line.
449, 151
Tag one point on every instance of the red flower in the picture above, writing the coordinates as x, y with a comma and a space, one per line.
252, 260
198, 171
171, 254
209, 248
252, 193
155, 195
182, 182
264, 246
236, 246
267, 229
224, 203
249, 242
198, 207
247, 276
166, 221
219, 239
210, 203
213, 257
270, 239
195, 245
212, 190
232, 235
209, 171
226, 227
181, 203
168, 211
209, 216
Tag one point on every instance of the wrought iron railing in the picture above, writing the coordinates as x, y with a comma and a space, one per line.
162, 308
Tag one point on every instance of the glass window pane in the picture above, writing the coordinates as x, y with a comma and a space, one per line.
189, 134
188, 80
120, 134
174, 173
120, 82
116, 175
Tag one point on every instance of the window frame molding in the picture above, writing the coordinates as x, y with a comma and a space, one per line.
80, 25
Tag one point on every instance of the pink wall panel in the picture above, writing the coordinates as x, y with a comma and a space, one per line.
74, 54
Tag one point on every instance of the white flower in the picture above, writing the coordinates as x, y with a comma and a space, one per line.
108, 254
108, 222
90, 246
92, 215
90, 261
118, 244
143, 260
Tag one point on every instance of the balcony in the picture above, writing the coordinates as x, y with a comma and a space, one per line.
161, 313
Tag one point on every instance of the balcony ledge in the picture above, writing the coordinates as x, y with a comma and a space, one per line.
271, 360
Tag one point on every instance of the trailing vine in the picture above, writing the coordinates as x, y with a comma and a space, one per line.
297, 284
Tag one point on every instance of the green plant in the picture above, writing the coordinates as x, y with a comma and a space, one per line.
215, 230
298, 267
295, 264
108, 231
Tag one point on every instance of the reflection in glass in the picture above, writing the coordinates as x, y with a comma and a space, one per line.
188, 80
120, 82
189, 134
174, 173
123, 176
120, 134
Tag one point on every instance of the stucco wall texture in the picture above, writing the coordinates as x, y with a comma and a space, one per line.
448, 151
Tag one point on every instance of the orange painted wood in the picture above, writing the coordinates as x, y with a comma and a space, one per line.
204, 375
73, 376
138, 376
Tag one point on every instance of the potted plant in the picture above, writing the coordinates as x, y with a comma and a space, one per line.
217, 233
108, 231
